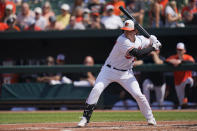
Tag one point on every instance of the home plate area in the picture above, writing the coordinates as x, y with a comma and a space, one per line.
103, 126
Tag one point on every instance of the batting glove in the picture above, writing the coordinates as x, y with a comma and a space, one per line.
156, 45
153, 38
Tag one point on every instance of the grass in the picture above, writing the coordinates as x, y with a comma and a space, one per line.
49, 117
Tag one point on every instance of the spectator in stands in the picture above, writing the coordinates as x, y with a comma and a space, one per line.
3, 26
191, 7
116, 4
11, 21
173, 17
78, 13
157, 13
101, 1
31, 26
73, 25
96, 21
18, 2
96, 6
53, 24
47, 12
25, 16
154, 80
3, 4
86, 18
86, 79
65, 16
136, 8
190, 19
77, 4
111, 21
124, 103
8, 12
182, 79
163, 4
40, 20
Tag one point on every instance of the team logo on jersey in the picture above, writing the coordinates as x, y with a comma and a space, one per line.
126, 24
128, 56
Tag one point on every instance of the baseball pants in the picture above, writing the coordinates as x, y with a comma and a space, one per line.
180, 89
159, 91
127, 80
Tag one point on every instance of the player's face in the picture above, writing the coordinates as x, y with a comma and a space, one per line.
131, 33
89, 61
180, 51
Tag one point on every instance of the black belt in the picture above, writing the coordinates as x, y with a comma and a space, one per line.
115, 68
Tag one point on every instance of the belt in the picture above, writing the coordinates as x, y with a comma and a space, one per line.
115, 68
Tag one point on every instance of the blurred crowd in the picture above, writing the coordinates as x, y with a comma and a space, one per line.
19, 15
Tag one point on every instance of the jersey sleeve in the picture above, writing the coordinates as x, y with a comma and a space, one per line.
190, 58
145, 42
170, 58
125, 45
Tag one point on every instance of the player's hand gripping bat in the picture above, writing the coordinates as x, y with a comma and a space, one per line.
137, 25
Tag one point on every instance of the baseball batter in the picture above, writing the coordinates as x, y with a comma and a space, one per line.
118, 68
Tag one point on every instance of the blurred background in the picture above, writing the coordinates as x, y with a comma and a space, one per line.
52, 50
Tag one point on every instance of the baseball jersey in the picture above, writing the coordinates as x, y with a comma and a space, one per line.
120, 57
181, 76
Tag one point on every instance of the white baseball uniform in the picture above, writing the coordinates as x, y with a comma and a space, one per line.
180, 89
119, 59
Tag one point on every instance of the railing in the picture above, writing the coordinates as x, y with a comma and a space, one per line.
7, 100
81, 68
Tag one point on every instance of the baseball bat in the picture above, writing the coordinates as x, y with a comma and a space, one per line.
137, 25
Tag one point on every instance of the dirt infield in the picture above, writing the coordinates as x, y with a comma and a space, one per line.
104, 126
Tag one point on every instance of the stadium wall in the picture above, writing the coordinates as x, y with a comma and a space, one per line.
76, 44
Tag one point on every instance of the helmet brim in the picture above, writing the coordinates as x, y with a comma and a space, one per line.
127, 28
